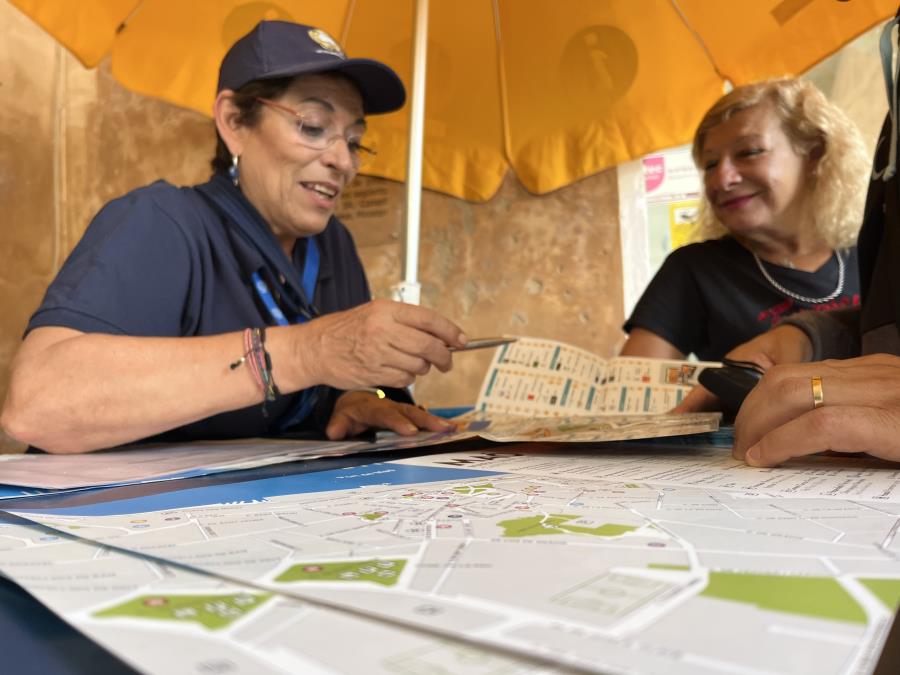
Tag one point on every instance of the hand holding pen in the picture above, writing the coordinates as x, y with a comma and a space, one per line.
380, 343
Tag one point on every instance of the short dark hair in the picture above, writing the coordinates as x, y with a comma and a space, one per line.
245, 100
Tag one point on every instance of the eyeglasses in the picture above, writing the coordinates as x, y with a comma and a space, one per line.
316, 130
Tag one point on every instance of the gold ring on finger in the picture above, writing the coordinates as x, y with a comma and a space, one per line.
817, 392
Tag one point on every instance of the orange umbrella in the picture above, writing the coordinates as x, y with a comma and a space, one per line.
555, 89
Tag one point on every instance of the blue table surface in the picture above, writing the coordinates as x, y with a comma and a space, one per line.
37, 642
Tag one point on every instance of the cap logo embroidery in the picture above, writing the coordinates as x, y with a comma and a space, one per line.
326, 42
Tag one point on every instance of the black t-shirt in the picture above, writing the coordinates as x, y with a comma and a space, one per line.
707, 298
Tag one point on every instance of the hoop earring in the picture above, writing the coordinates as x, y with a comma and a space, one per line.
234, 171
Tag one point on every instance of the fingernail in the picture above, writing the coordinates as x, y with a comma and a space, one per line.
410, 429
753, 455
463, 339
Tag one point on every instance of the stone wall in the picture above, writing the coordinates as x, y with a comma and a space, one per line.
519, 264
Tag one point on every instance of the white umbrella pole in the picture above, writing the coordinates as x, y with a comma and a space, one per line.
409, 289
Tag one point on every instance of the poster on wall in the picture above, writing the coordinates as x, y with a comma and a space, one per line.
659, 197
672, 193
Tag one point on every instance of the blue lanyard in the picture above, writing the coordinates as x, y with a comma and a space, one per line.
310, 270
310, 274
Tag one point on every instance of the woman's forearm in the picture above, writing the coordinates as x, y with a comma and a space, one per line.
74, 392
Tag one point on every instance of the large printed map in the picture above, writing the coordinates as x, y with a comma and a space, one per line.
605, 574
132, 606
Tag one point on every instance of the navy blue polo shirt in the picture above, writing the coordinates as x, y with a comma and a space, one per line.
162, 261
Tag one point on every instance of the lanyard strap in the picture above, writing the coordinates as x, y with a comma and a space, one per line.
310, 270
308, 397
254, 245
252, 234
310, 275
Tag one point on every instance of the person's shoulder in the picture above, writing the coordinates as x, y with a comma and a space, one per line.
159, 191
336, 233
336, 227
724, 248
160, 195
161, 203
688, 252
171, 198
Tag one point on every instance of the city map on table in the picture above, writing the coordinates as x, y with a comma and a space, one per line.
139, 464
159, 461
131, 605
618, 561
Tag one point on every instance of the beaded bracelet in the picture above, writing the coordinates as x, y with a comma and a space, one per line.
265, 365
259, 363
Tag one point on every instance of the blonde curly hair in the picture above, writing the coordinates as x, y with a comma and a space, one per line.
812, 123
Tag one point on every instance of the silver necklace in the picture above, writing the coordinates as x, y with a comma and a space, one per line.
802, 298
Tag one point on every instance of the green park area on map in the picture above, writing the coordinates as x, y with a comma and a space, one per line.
820, 597
886, 590
533, 526
384, 572
473, 489
211, 611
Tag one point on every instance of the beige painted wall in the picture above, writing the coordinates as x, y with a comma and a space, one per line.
520, 264
71, 139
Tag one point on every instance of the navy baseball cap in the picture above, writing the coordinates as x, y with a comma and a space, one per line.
282, 49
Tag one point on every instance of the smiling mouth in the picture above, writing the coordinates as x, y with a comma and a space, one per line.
321, 189
735, 201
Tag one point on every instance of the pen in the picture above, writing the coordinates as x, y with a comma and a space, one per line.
484, 343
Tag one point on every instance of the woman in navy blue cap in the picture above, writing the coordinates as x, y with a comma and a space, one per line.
239, 307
